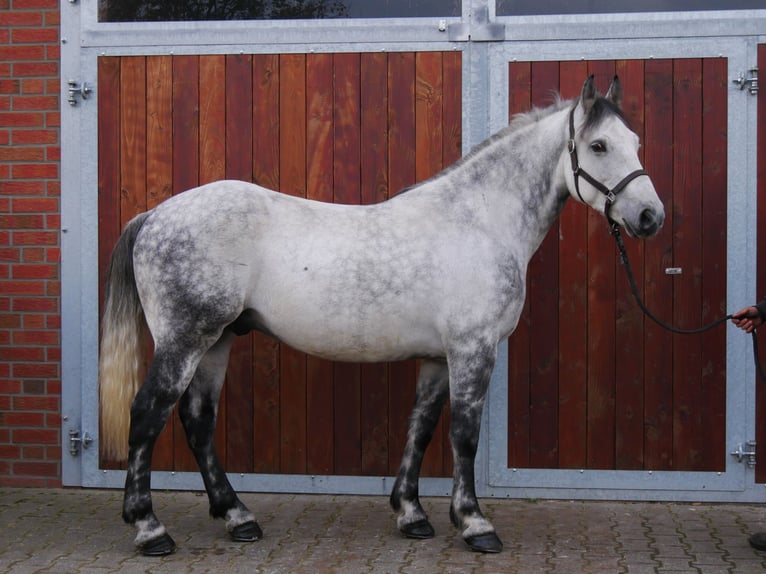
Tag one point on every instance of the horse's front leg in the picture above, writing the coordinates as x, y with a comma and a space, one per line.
432, 391
198, 410
470, 370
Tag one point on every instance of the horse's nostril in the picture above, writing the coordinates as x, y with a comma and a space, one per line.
648, 221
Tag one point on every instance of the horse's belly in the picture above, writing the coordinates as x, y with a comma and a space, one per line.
346, 338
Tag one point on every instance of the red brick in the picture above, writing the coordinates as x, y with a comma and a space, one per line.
34, 137
35, 304
22, 53
53, 254
22, 120
36, 338
22, 221
35, 238
26, 18
33, 321
53, 119
26, 103
27, 4
9, 451
34, 171
35, 370
21, 187
34, 436
53, 288
22, 419
53, 153
9, 321
33, 254
22, 353
18, 153
34, 271
36, 403
9, 254
10, 86
33, 452
5, 36
35, 35
53, 221
8, 481
53, 52
22, 287
10, 387
26, 69
52, 18
36, 469
35, 204
33, 86
53, 354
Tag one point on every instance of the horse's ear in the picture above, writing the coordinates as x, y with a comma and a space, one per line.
588, 95
615, 92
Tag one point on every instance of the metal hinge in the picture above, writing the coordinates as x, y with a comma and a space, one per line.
749, 82
76, 90
75, 440
478, 30
745, 453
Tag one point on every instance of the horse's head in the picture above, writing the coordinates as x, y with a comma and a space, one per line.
605, 170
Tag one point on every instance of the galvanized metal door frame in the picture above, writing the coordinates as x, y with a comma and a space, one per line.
737, 482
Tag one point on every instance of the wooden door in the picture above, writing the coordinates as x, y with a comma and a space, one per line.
350, 128
592, 383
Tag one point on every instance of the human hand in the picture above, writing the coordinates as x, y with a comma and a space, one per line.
747, 319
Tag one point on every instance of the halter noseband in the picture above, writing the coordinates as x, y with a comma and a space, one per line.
577, 170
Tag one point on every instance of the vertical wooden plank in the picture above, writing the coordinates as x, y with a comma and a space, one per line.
601, 327
401, 173
714, 197
629, 327
159, 136
572, 308
374, 188
519, 376
266, 354
687, 241
212, 167
429, 97
133, 137
239, 165
292, 171
346, 171
108, 172
319, 158
542, 281
658, 255
760, 388
185, 122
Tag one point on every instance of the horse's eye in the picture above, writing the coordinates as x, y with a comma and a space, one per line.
598, 146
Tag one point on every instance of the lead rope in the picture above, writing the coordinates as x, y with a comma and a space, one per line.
614, 229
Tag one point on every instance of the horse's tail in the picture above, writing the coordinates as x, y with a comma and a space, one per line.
122, 339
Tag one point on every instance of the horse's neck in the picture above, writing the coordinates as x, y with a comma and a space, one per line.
523, 173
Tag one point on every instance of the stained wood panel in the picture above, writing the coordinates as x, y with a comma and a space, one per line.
592, 383
351, 128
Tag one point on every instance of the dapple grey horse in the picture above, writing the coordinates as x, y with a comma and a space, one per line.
436, 273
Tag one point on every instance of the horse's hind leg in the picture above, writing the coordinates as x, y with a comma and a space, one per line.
470, 370
198, 410
169, 374
432, 391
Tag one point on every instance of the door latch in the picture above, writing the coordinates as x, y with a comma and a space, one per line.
75, 440
76, 90
749, 82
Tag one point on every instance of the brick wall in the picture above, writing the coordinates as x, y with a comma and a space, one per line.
30, 351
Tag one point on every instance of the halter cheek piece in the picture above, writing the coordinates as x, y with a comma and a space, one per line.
611, 194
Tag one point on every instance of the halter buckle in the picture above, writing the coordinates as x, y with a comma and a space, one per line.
571, 145
610, 197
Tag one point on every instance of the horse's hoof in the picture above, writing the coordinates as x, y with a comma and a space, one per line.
247, 532
160, 546
487, 542
420, 529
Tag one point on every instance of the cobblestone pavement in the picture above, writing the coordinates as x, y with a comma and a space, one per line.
80, 531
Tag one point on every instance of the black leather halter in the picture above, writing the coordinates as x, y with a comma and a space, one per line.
611, 194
